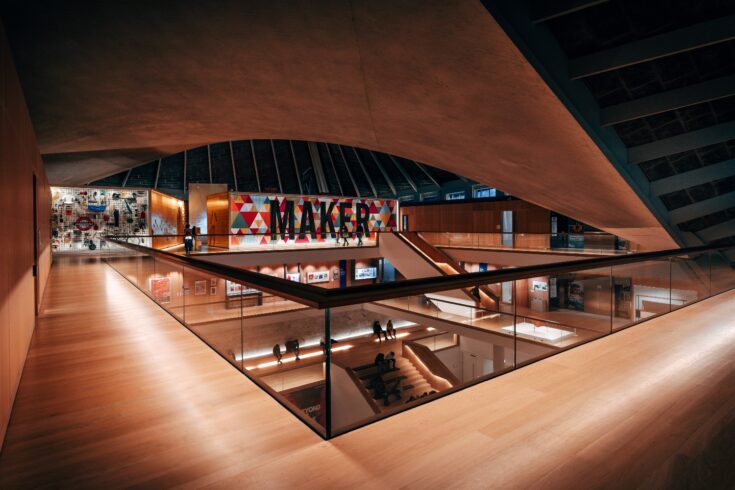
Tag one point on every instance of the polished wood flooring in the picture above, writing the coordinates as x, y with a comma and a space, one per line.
116, 393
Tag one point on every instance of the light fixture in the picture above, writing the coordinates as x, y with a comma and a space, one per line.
268, 364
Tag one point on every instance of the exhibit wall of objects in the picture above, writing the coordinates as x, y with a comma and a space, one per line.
81, 217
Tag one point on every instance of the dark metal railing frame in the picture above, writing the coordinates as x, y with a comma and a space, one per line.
322, 298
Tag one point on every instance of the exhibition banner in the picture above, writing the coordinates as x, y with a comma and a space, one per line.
308, 218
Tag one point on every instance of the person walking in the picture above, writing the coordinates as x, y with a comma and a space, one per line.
277, 353
359, 233
390, 332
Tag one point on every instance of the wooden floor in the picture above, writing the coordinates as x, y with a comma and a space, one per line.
116, 393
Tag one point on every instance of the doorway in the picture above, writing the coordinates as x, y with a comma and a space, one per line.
507, 228
36, 299
474, 366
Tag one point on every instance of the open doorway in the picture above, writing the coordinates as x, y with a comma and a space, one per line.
35, 244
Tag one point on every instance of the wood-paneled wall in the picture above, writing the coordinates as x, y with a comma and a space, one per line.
169, 209
476, 217
218, 219
20, 159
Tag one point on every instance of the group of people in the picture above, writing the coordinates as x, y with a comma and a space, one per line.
382, 389
345, 235
388, 333
292, 345
385, 362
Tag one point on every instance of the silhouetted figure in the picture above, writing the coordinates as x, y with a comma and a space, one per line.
378, 330
188, 239
277, 353
359, 233
390, 360
293, 346
323, 345
344, 234
382, 390
380, 362
389, 330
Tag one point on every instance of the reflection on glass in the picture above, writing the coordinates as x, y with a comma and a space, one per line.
642, 290
390, 355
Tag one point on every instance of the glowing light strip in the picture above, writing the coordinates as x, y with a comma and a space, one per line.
398, 336
362, 333
263, 365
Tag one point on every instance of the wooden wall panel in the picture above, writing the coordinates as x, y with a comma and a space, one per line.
218, 219
478, 217
171, 210
20, 159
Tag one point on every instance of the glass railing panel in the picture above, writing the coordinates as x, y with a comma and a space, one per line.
438, 341
690, 279
212, 314
536, 339
165, 286
488, 240
722, 273
125, 265
641, 290
532, 241
283, 346
575, 307
144, 270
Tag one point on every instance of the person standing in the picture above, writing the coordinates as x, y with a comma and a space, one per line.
359, 232
390, 332
188, 239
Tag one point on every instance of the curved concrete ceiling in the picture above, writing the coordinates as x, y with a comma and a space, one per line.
434, 81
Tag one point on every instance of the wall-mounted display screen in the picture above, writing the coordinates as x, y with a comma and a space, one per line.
318, 276
365, 273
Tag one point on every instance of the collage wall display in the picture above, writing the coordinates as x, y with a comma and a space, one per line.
80, 215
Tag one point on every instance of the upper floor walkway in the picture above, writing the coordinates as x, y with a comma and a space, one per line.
116, 393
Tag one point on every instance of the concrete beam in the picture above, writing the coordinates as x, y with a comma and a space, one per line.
693, 177
668, 101
543, 10
722, 230
703, 208
667, 44
683, 142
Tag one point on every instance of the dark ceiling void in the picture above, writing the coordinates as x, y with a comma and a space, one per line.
293, 167
654, 83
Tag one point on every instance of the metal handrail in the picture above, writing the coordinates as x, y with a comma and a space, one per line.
326, 298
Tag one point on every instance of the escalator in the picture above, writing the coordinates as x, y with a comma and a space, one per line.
482, 294
416, 258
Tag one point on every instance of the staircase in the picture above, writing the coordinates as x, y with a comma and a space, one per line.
412, 382
414, 379
448, 266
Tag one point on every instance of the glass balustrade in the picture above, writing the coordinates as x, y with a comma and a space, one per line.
340, 367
